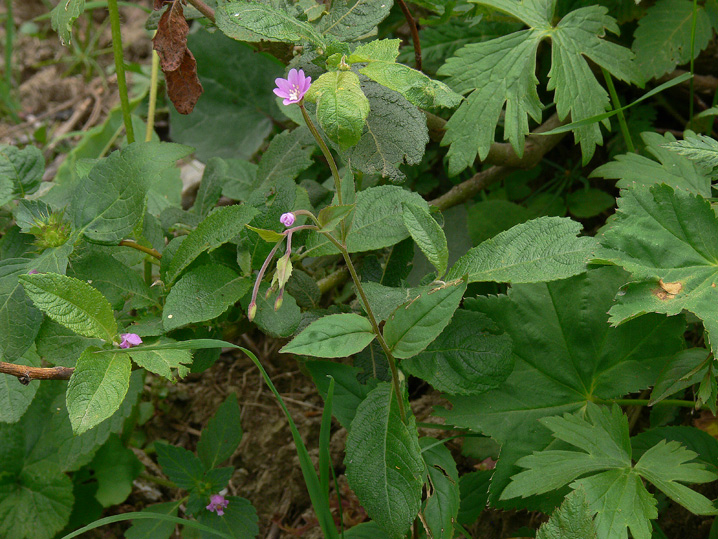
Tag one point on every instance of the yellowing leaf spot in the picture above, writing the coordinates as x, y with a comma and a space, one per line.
671, 288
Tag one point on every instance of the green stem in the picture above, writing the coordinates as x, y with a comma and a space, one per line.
693, 50
157, 480
375, 326
147, 250
617, 106
153, 96
325, 151
120, 68
644, 402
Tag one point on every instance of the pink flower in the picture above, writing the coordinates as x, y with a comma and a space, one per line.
287, 219
217, 503
129, 340
33, 272
293, 88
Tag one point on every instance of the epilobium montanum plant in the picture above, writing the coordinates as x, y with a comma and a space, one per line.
521, 322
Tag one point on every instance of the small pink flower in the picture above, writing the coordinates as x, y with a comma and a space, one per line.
287, 219
217, 503
129, 340
293, 88
33, 272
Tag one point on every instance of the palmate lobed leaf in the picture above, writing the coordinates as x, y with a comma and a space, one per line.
673, 167
502, 71
668, 240
617, 496
565, 354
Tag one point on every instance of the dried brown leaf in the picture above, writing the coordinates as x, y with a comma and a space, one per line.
183, 86
157, 5
170, 41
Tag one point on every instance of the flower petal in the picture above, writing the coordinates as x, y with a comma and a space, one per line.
282, 84
281, 93
292, 77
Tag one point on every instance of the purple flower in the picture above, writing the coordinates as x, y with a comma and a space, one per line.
129, 340
33, 272
293, 88
217, 503
287, 219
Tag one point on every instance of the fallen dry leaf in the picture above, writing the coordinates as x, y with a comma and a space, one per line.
183, 85
170, 41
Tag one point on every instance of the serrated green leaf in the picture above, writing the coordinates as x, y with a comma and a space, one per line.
489, 217
180, 465
255, 22
62, 17
663, 38
384, 464
154, 528
586, 203
241, 179
474, 489
694, 439
668, 240
163, 362
572, 520
109, 202
60, 346
203, 293
428, 235
465, 359
19, 317
395, 133
442, 505
685, 369
352, 19
620, 501
552, 337
378, 50
239, 520
342, 107
72, 303
665, 464
377, 222
331, 216
21, 168
336, 335
385, 299
15, 398
603, 437
97, 388
116, 467
700, 149
414, 326
222, 434
37, 505
116, 281
675, 170
219, 227
502, 70
348, 391
210, 188
544, 249
287, 155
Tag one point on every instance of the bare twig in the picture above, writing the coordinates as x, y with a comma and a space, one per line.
25, 373
505, 159
414, 32
203, 8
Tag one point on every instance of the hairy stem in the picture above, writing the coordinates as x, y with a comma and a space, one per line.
325, 151
375, 326
147, 250
120, 68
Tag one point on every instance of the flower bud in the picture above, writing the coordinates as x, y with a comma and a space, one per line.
252, 311
287, 219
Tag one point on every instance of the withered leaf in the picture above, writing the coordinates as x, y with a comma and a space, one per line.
170, 41
183, 86
157, 5
671, 288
